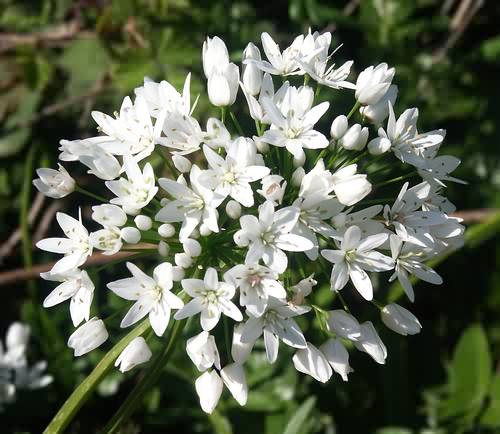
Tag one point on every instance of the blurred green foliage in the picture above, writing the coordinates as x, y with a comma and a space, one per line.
59, 59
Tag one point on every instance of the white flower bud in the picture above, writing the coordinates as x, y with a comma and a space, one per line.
214, 55
192, 247
88, 337
297, 176
339, 127
163, 249
355, 138
337, 356
252, 76
109, 215
135, 353
262, 147
379, 145
166, 230
203, 352
370, 343
54, 183
177, 273
204, 231
143, 222
400, 320
233, 209
373, 83
209, 389
131, 235
183, 260
300, 160
350, 187
223, 85
377, 113
344, 324
181, 163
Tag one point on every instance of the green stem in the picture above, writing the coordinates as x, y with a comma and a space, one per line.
355, 107
90, 194
318, 90
236, 123
223, 114
167, 162
82, 393
397, 179
135, 397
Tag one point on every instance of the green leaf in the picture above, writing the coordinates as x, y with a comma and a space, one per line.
82, 393
299, 419
490, 49
469, 374
491, 416
393, 430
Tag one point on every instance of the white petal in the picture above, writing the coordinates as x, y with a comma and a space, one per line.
312, 362
234, 378
209, 389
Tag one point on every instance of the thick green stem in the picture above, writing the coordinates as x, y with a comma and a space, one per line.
90, 194
83, 392
355, 107
135, 397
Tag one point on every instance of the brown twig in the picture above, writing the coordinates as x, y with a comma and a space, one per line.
51, 37
22, 274
46, 220
475, 215
8, 246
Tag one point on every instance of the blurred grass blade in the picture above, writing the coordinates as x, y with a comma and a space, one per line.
299, 419
220, 423
82, 393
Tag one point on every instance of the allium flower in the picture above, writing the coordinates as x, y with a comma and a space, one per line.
354, 258
54, 183
211, 298
261, 206
152, 296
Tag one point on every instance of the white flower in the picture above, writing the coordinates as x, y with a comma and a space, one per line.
409, 223
400, 320
373, 83
108, 239
203, 351
137, 191
252, 75
209, 386
181, 133
211, 298
109, 215
268, 235
132, 132
191, 205
276, 323
338, 357
279, 63
354, 257
256, 283
312, 361
163, 97
370, 343
273, 188
438, 169
54, 183
302, 289
88, 337
350, 187
75, 248
135, 353
217, 136
77, 286
294, 130
152, 296
408, 258
232, 176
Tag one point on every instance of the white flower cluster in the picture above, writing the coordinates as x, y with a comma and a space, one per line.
256, 213
15, 372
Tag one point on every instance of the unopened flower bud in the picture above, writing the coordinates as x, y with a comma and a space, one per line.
166, 230
88, 337
400, 320
233, 209
337, 356
143, 222
370, 343
192, 247
177, 273
135, 353
181, 163
252, 76
339, 127
223, 85
344, 324
204, 231
297, 176
300, 160
377, 113
355, 138
163, 249
109, 215
373, 83
183, 260
262, 147
130, 235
